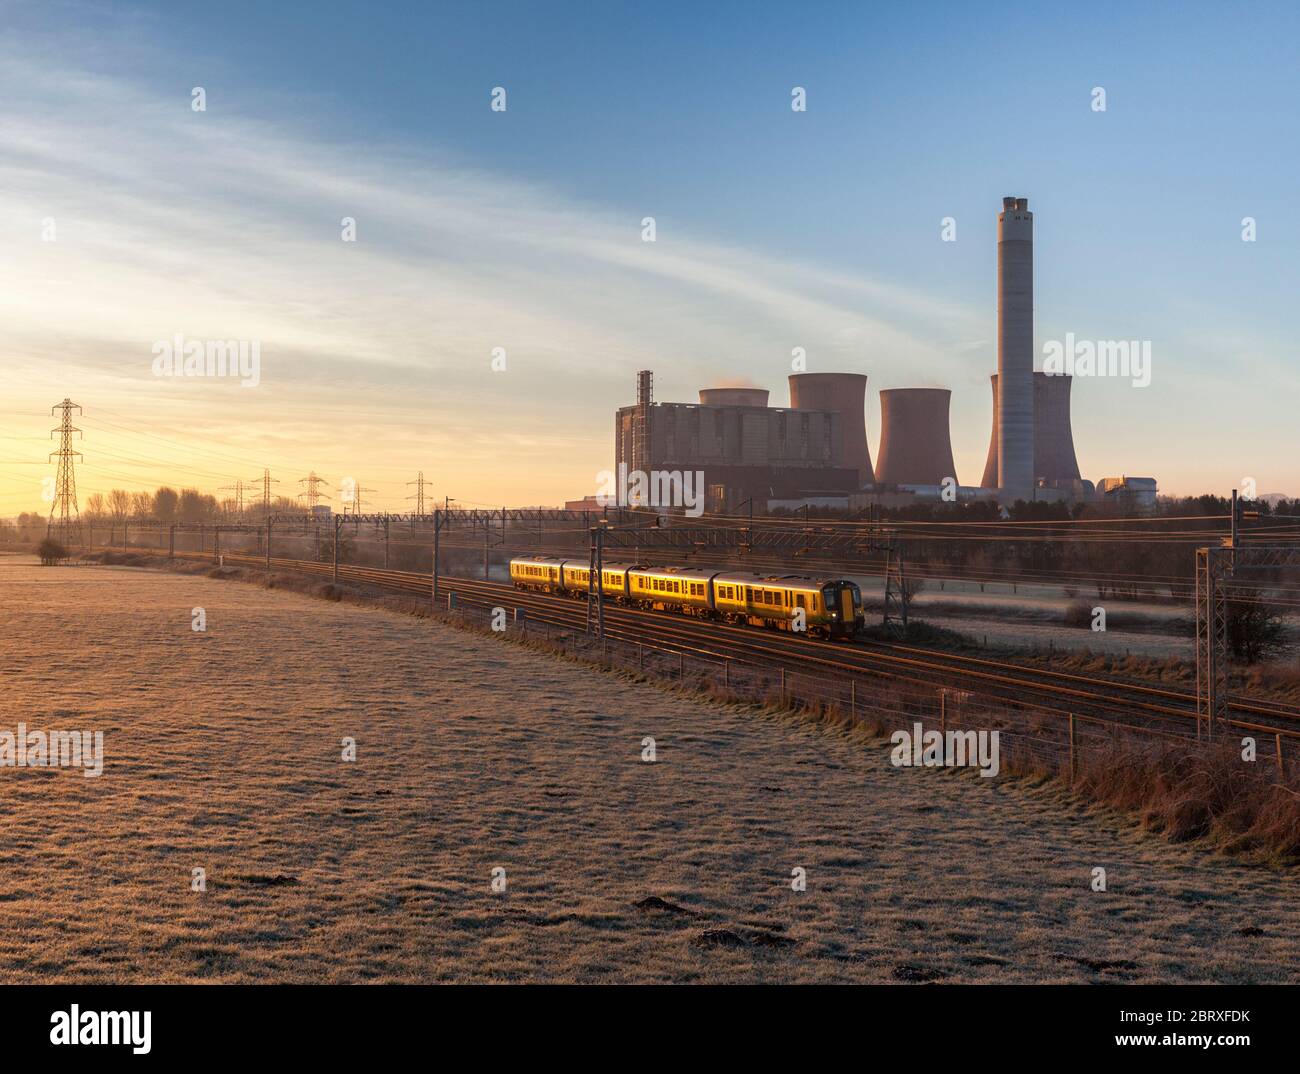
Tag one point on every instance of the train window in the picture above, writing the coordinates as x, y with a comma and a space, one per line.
749, 593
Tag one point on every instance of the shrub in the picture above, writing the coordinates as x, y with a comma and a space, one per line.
51, 552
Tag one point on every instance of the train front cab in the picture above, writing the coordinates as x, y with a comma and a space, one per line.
843, 603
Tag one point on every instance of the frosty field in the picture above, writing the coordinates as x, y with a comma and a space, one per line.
222, 752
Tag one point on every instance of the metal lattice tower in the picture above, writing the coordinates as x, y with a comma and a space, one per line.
354, 506
419, 493
312, 494
238, 489
1218, 567
266, 481
897, 597
67, 528
1212, 567
642, 439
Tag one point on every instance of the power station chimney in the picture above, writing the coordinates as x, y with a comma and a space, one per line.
1014, 421
846, 394
915, 448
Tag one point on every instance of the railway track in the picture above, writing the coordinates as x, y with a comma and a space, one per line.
1051, 691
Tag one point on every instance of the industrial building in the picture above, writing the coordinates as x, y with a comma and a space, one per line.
815, 451
746, 449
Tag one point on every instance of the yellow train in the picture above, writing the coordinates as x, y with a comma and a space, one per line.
830, 608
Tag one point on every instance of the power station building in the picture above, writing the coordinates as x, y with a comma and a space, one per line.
815, 451
745, 448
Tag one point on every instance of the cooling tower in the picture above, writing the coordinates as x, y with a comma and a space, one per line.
845, 393
1014, 425
914, 444
733, 397
1054, 458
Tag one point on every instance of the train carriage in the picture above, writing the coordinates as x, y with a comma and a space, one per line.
672, 588
830, 607
538, 572
576, 579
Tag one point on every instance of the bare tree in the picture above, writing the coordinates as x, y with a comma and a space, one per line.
119, 504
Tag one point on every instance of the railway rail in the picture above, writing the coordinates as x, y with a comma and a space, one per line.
1049, 691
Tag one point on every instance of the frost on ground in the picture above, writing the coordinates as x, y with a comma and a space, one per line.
223, 753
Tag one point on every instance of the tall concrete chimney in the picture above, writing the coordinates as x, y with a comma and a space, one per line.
1015, 411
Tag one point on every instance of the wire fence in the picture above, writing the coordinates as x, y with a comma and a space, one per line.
1031, 738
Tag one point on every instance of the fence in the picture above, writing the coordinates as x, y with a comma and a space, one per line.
1030, 737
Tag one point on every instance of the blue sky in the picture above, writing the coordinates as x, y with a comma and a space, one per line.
776, 229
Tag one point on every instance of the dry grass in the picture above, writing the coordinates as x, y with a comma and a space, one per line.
223, 752
1202, 794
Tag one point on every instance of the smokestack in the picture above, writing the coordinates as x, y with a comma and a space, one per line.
733, 397
1014, 424
914, 445
846, 394
1054, 458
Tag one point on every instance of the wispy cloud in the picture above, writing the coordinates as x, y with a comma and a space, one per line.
225, 226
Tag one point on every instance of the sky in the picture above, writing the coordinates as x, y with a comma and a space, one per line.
128, 217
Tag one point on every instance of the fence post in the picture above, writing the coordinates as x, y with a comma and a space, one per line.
640, 656
338, 525
681, 667
783, 686
268, 543
1072, 769
943, 712
1281, 766
726, 674
853, 699
171, 541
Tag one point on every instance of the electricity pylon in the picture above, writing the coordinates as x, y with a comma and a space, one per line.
357, 502
67, 530
266, 481
419, 493
312, 494
238, 489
